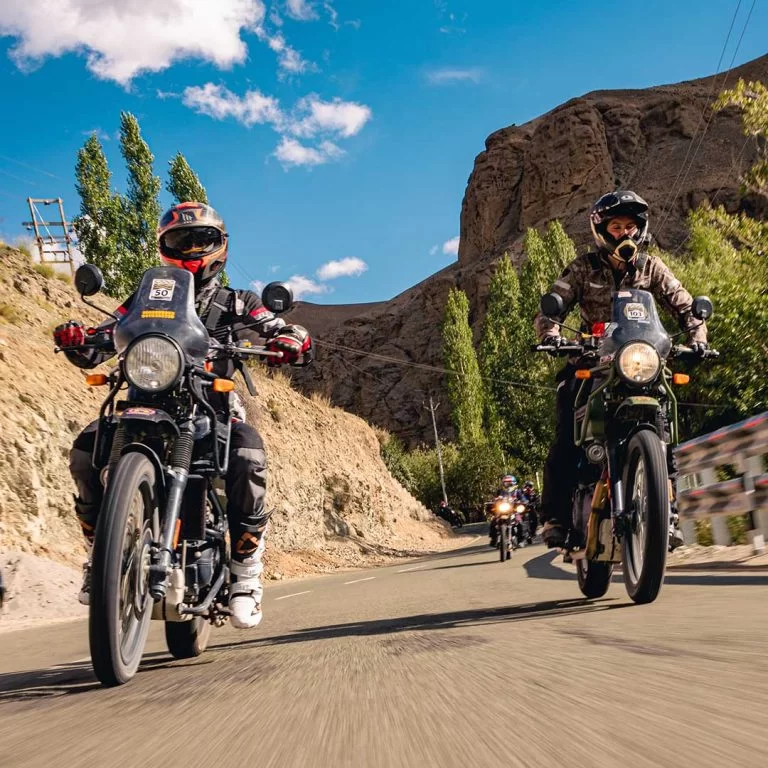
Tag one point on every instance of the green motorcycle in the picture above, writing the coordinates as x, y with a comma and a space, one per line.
625, 422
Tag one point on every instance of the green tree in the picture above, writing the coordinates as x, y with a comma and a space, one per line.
183, 183
100, 225
465, 387
141, 205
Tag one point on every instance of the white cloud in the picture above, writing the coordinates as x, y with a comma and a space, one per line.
99, 133
433, 250
301, 10
306, 286
289, 59
121, 40
293, 153
258, 286
349, 267
344, 118
451, 247
218, 102
274, 268
451, 75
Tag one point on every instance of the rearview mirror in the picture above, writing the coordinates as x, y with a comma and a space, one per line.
702, 308
277, 297
552, 305
88, 280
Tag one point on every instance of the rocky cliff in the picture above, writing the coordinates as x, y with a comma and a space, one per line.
553, 167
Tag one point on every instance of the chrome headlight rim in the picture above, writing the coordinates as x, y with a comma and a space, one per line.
172, 344
638, 345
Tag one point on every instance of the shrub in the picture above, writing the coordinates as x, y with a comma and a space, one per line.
46, 270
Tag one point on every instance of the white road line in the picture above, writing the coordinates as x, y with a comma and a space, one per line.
295, 594
357, 581
414, 568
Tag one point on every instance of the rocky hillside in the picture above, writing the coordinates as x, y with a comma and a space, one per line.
336, 504
555, 166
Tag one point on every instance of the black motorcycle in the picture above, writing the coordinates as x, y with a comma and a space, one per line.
625, 420
161, 546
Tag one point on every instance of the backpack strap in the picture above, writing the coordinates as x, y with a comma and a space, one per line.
594, 261
219, 304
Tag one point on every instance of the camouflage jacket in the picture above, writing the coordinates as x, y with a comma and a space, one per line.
589, 281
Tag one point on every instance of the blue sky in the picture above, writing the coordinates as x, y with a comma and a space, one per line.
335, 137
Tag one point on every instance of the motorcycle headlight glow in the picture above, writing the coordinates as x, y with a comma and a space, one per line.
503, 506
639, 362
520, 508
153, 364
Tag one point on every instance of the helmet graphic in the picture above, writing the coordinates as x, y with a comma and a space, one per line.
622, 202
192, 236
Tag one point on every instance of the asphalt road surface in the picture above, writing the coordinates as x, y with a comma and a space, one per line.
455, 660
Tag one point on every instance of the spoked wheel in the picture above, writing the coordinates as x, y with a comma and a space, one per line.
120, 605
186, 639
503, 542
647, 504
594, 578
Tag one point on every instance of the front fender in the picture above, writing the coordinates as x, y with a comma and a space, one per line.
153, 419
160, 484
638, 406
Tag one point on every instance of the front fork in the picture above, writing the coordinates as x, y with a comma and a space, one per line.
178, 475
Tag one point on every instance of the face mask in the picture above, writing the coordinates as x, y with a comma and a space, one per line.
624, 252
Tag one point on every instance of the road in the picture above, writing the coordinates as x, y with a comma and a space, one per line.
454, 660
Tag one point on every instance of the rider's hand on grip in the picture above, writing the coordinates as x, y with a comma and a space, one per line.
293, 341
69, 335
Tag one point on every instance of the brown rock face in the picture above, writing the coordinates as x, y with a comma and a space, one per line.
554, 167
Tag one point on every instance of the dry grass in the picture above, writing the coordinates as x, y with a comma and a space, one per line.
46, 270
10, 314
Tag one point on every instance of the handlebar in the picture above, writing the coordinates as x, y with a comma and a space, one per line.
680, 350
233, 350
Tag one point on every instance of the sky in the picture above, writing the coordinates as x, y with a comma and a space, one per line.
335, 137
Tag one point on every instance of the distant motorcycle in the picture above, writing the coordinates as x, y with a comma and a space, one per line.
508, 524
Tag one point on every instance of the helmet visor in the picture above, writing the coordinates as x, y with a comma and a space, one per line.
190, 242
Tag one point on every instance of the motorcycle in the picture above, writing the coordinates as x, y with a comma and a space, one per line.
625, 420
161, 546
507, 521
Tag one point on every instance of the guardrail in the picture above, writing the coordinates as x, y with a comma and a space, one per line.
742, 447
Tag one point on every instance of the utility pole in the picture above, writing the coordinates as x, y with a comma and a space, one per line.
58, 246
432, 408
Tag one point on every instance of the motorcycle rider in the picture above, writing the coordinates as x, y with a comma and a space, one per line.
506, 492
619, 223
192, 236
530, 498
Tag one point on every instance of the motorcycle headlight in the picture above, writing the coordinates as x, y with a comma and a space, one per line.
504, 506
520, 508
153, 364
639, 363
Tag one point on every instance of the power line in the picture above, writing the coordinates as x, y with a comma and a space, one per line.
676, 188
27, 165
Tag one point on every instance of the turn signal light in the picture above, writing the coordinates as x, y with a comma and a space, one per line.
583, 373
681, 378
223, 385
208, 366
95, 379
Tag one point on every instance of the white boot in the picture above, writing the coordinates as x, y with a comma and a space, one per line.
246, 592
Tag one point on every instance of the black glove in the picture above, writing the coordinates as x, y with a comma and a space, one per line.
699, 348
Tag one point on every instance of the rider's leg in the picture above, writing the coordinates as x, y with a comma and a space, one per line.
246, 485
89, 495
560, 468
676, 538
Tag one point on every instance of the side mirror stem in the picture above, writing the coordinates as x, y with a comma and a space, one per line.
96, 306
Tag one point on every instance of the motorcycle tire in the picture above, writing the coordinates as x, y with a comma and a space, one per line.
187, 639
594, 578
503, 543
118, 626
644, 546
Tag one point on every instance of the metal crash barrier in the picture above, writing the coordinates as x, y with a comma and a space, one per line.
742, 449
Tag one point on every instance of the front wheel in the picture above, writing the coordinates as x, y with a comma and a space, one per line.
120, 605
594, 578
647, 505
187, 639
503, 542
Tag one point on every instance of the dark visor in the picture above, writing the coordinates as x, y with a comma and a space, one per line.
190, 242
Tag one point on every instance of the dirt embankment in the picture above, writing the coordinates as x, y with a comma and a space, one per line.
336, 505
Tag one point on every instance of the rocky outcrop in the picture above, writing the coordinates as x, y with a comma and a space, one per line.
664, 142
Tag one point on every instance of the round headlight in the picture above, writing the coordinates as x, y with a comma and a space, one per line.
520, 508
504, 506
639, 362
153, 364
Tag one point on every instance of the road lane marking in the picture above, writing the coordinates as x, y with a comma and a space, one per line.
414, 568
295, 594
357, 581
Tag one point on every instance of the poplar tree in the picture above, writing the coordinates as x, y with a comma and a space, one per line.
183, 183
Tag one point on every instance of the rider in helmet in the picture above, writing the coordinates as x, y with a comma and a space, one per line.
192, 236
507, 490
619, 222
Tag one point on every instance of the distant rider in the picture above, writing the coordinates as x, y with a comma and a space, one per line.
619, 222
507, 491
192, 236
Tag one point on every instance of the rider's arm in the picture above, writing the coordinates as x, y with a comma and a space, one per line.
100, 349
256, 317
569, 286
676, 300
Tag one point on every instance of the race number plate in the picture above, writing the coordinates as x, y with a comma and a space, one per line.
635, 312
162, 290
